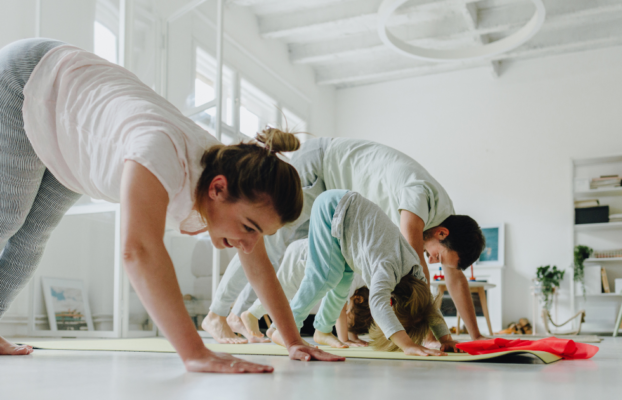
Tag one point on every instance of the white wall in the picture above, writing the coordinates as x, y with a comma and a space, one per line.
502, 147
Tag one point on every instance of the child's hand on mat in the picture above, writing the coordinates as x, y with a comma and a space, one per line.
223, 363
416, 350
304, 352
450, 346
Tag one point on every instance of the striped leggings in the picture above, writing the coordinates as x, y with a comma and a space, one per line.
32, 201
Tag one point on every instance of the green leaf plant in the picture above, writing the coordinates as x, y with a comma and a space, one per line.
581, 253
549, 279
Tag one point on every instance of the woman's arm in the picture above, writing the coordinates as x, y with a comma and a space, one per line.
262, 277
143, 204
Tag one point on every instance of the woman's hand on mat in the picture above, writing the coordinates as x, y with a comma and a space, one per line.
450, 346
304, 352
224, 363
415, 350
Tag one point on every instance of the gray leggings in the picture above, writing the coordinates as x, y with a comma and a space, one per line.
32, 201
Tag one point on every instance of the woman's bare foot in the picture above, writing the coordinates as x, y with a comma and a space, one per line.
328, 339
10, 349
217, 326
238, 326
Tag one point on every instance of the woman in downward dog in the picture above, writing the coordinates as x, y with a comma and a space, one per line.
72, 123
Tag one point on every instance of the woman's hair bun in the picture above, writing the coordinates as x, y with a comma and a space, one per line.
278, 141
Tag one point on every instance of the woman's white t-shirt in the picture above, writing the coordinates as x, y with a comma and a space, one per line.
85, 116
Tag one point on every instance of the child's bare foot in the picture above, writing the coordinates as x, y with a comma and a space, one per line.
10, 349
251, 323
270, 331
217, 326
276, 338
328, 339
238, 326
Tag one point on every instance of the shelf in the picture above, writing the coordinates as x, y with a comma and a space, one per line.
600, 295
606, 260
597, 227
616, 191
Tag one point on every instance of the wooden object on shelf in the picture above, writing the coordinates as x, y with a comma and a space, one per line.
474, 287
603, 274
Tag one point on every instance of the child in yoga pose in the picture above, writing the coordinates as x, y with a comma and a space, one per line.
347, 234
355, 318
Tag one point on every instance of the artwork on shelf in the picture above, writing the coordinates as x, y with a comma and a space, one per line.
67, 304
494, 252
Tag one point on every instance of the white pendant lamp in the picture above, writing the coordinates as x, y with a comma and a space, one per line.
388, 7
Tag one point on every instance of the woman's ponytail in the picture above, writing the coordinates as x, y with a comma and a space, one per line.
253, 172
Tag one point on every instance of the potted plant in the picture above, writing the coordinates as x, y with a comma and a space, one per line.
581, 253
547, 281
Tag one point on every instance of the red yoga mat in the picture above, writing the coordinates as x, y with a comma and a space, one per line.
565, 348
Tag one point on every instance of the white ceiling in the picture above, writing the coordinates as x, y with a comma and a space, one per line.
339, 39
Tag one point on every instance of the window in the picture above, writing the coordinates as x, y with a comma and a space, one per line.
105, 44
242, 118
204, 88
106, 26
257, 110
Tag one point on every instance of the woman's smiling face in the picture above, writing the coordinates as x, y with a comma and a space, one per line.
238, 224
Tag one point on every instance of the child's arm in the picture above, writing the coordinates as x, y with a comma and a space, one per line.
261, 275
342, 325
346, 337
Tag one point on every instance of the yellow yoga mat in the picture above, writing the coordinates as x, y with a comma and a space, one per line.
160, 345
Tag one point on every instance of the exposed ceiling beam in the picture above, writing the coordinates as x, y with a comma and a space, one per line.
347, 18
587, 37
490, 22
266, 7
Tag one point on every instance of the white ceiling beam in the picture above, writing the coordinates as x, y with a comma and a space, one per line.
266, 7
491, 21
347, 18
586, 37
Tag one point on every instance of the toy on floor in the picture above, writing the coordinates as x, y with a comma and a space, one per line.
439, 276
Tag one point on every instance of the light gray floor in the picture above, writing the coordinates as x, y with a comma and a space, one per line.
51, 375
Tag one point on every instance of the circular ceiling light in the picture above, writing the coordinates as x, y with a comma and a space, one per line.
388, 7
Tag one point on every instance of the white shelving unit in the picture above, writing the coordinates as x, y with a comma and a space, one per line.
603, 308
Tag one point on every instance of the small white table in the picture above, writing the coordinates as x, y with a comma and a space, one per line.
475, 287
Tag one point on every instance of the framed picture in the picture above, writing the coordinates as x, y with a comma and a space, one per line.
494, 252
67, 304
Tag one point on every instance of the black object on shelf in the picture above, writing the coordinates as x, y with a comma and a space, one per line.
591, 215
